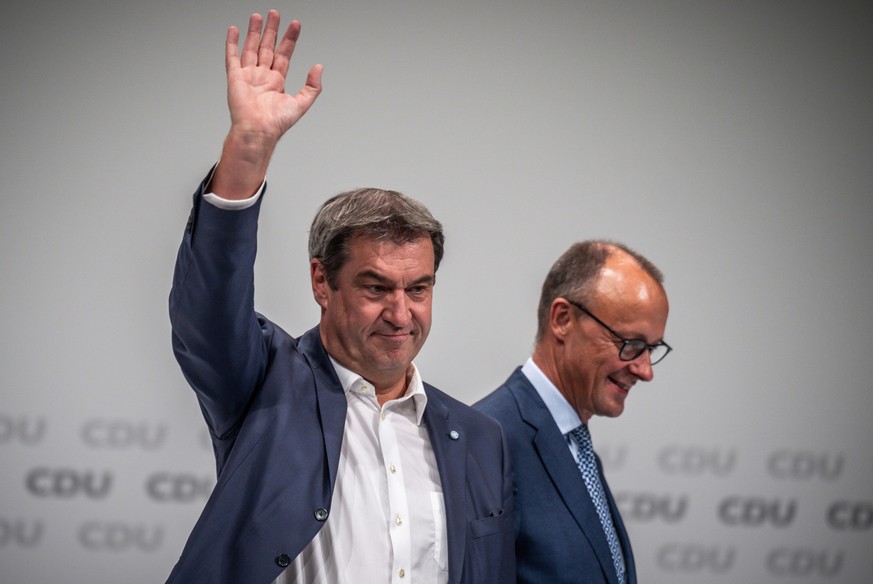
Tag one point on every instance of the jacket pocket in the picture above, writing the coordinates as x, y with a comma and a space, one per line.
490, 525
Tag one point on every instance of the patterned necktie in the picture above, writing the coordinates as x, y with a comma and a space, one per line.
588, 467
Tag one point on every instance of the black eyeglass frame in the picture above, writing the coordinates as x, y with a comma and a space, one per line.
637, 346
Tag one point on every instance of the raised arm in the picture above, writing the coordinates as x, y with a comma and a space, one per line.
260, 110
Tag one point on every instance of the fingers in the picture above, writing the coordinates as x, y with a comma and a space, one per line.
260, 49
268, 41
282, 58
253, 40
306, 96
231, 49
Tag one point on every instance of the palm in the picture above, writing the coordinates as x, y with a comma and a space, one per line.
258, 103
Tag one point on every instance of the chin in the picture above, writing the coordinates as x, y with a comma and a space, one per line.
613, 412
388, 364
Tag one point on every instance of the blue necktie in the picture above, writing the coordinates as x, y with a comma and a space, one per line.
588, 467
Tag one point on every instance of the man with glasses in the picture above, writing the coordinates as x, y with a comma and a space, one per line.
601, 321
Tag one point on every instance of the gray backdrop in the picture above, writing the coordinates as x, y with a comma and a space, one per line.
730, 142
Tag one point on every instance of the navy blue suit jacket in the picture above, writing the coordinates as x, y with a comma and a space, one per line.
558, 536
276, 412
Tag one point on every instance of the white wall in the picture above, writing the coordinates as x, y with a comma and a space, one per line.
731, 142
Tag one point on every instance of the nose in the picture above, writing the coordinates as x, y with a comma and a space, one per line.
396, 310
641, 367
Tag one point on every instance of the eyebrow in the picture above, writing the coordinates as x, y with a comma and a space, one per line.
641, 337
371, 275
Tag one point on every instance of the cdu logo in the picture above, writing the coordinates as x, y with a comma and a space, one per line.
20, 533
29, 431
850, 515
804, 563
66, 483
694, 460
785, 464
178, 488
121, 434
651, 507
756, 511
120, 537
695, 559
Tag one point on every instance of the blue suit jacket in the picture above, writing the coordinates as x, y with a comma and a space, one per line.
558, 536
276, 413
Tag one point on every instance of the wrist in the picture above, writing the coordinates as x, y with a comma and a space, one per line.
243, 165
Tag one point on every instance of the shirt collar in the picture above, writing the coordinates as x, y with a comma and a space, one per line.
563, 413
414, 390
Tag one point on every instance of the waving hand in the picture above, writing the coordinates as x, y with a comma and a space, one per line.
260, 110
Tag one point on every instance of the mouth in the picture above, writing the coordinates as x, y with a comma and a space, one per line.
395, 337
624, 387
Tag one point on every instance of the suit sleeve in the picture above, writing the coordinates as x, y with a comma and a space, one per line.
217, 339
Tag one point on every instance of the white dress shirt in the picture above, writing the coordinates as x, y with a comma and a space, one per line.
387, 518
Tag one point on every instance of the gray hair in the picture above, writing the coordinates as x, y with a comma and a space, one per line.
576, 272
374, 213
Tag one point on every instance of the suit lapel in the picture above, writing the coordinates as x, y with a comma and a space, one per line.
555, 454
451, 456
332, 402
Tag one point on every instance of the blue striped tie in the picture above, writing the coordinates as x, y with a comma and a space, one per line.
588, 467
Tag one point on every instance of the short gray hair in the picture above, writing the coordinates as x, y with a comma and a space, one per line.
374, 213
576, 272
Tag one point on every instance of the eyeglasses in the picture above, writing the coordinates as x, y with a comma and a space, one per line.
631, 348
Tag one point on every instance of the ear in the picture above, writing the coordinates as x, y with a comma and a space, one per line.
320, 286
560, 318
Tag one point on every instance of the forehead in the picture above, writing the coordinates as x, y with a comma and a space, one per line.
367, 253
626, 295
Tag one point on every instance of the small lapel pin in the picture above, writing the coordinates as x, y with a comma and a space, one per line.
454, 435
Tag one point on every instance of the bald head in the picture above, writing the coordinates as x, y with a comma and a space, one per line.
576, 273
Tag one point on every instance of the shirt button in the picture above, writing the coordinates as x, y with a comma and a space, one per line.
398, 520
401, 572
392, 468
